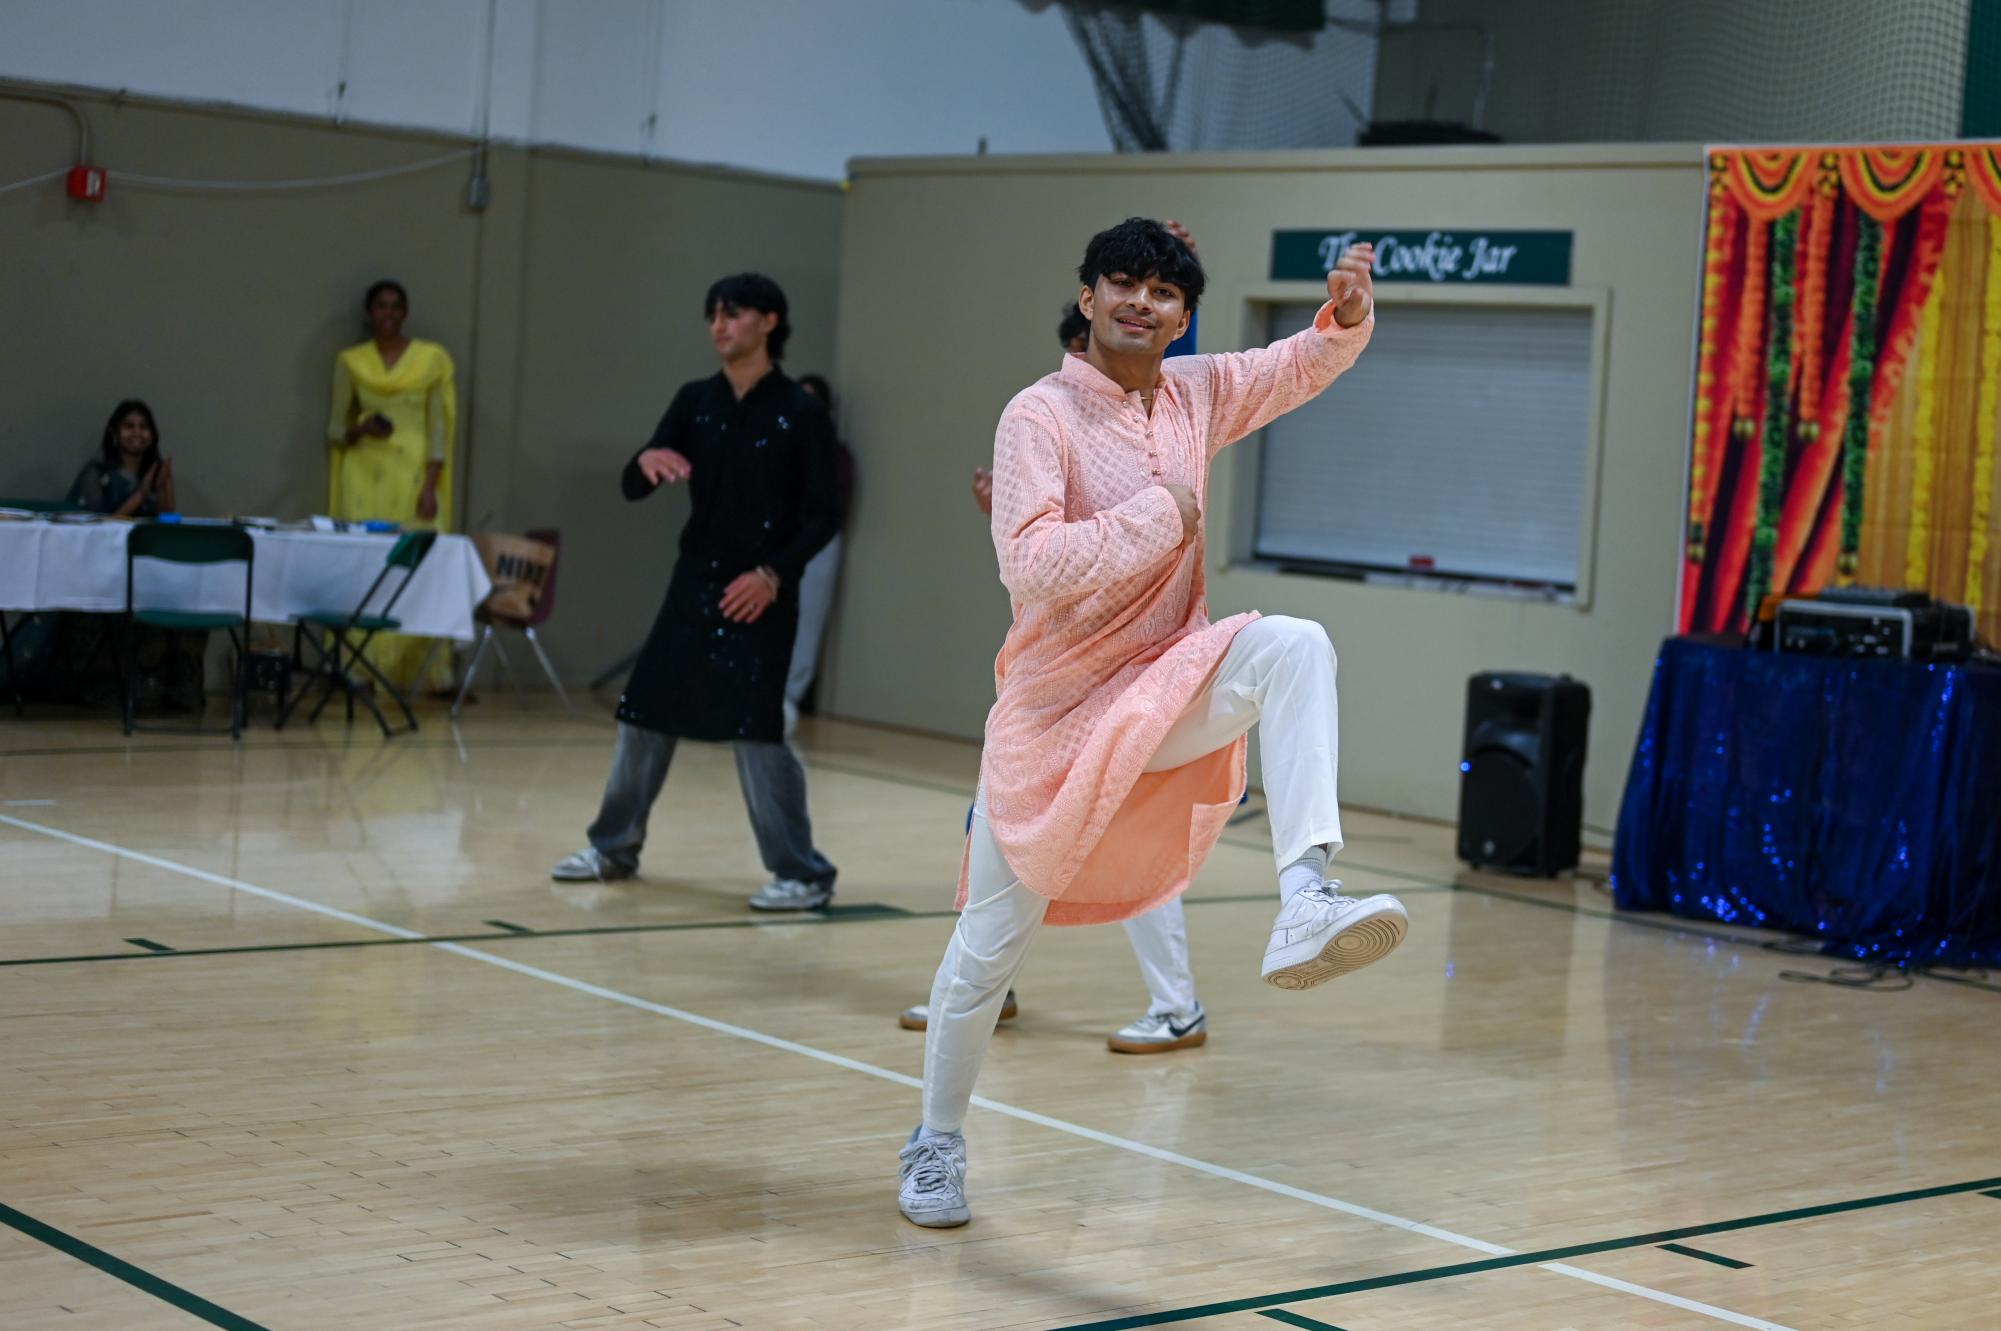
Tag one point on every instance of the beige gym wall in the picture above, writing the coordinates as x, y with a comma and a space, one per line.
572, 306
953, 272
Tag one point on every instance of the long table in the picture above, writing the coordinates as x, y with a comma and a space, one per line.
1855, 802
56, 565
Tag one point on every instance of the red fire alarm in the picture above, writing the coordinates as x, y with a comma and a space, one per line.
86, 183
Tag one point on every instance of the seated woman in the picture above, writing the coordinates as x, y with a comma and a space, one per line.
130, 477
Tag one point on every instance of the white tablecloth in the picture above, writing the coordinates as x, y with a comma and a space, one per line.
81, 566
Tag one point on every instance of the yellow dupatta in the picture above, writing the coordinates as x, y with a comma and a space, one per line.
381, 478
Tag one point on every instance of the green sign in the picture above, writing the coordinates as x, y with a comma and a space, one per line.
1518, 258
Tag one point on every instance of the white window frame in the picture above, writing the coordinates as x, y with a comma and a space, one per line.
1257, 303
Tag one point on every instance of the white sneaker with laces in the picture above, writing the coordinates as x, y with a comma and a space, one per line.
933, 1191
590, 865
791, 894
1319, 935
1161, 1032
919, 1018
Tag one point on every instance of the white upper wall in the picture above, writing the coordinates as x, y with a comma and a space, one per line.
791, 86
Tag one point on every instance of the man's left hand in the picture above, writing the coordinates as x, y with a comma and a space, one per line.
1350, 287
427, 503
1180, 233
747, 598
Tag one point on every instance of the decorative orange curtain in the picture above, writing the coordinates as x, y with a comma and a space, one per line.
1848, 379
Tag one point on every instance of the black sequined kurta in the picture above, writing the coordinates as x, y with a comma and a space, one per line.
762, 487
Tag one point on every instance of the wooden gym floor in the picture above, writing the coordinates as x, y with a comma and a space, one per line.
299, 1034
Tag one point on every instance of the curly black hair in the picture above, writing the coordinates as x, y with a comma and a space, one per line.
1141, 248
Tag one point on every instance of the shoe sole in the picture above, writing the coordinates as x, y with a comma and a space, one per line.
909, 1023
1192, 1040
820, 904
591, 877
1349, 948
951, 1219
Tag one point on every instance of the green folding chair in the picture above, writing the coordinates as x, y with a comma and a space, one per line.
341, 626
191, 545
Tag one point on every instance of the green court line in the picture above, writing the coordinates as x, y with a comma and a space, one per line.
1995, 1193
1260, 1302
851, 915
149, 945
119, 1269
1730, 1262
859, 913
1294, 1319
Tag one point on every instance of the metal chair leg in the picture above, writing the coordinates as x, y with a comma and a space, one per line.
424, 666
507, 669
465, 686
547, 669
307, 677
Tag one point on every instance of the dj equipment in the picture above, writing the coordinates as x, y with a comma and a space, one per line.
1521, 792
1875, 621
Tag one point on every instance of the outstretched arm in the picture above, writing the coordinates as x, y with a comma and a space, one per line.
1250, 389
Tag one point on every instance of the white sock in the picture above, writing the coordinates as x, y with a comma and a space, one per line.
1309, 870
928, 1132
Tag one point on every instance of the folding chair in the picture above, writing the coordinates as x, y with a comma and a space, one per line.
545, 605
190, 545
406, 554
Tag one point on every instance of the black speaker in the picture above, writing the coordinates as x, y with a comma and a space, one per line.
1521, 785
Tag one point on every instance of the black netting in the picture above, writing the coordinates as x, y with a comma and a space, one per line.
1169, 76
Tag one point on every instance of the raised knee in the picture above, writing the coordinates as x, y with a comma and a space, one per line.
1300, 635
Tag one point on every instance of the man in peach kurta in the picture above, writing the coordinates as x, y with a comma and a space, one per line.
1115, 748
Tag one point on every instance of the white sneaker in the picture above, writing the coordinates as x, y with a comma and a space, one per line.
933, 1193
1319, 935
590, 865
918, 1018
1158, 1033
791, 894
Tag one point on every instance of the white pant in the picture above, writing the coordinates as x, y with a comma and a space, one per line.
1278, 670
1160, 942
816, 597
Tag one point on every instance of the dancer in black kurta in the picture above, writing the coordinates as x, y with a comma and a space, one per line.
757, 453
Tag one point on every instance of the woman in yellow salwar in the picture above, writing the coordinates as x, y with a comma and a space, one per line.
395, 412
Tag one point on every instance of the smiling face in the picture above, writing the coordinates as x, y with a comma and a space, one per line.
135, 436
1134, 317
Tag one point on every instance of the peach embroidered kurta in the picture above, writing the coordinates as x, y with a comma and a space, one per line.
1111, 637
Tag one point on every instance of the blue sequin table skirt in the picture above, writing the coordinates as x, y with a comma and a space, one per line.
1854, 802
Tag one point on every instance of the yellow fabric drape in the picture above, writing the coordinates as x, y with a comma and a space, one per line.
1924, 434
380, 479
1990, 402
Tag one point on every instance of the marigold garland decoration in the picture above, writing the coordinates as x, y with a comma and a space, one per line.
1778, 383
